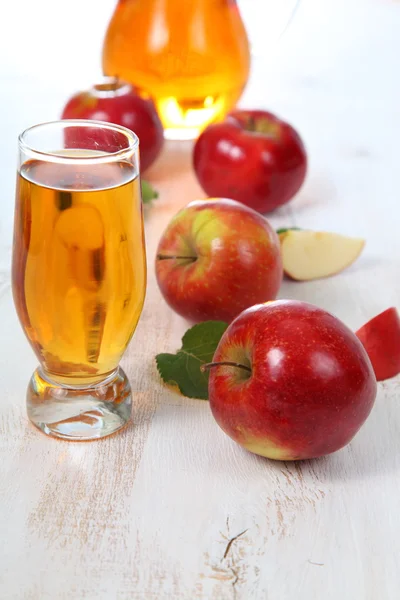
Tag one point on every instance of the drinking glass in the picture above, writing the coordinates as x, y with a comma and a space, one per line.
191, 56
79, 272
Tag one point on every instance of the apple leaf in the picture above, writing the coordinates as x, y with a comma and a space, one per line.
148, 192
183, 368
286, 229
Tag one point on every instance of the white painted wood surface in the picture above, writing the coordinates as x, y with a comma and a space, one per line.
171, 508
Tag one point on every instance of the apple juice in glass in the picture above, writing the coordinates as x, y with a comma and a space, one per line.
79, 272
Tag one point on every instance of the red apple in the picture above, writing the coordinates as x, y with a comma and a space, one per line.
216, 258
252, 157
290, 381
381, 339
116, 102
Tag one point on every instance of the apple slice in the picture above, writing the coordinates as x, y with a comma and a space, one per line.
381, 339
310, 255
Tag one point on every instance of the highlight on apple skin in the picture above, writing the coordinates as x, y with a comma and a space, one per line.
296, 383
216, 258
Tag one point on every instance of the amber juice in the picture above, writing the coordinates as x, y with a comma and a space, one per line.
191, 56
79, 265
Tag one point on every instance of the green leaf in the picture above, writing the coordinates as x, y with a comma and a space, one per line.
148, 192
285, 229
183, 368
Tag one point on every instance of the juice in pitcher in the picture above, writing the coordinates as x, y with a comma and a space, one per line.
191, 56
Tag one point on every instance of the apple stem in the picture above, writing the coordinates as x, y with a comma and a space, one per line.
228, 363
251, 123
166, 257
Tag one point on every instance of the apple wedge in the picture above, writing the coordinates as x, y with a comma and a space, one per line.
310, 255
381, 339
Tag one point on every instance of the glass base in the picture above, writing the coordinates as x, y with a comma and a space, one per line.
79, 413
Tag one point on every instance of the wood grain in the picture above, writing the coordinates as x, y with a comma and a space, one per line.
172, 509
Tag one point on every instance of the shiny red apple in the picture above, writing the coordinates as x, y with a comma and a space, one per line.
216, 258
116, 102
381, 339
253, 157
290, 381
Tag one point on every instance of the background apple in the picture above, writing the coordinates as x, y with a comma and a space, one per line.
294, 382
216, 258
252, 157
116, 102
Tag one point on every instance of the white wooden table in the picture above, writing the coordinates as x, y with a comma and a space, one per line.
171, 508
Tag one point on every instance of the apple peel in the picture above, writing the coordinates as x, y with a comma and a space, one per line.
309, 255
381, 339
283, 403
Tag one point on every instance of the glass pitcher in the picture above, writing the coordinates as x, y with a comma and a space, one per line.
191, 56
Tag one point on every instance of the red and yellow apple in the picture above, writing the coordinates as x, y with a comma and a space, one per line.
216, 258
290, 381
381, 339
